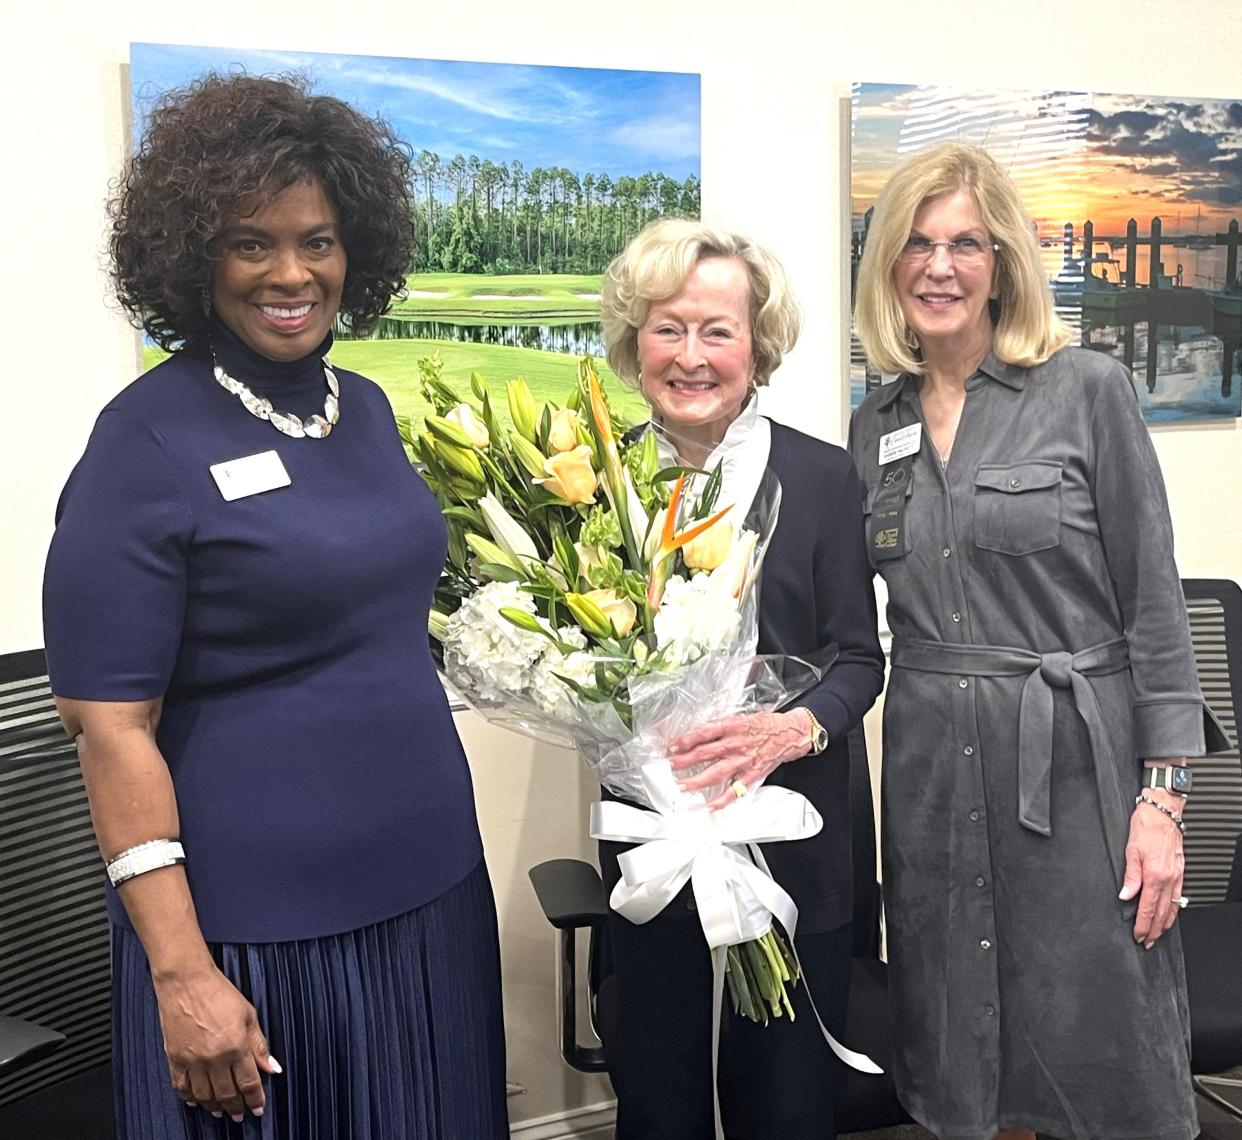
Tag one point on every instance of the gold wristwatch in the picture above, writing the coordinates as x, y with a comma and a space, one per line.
819, 734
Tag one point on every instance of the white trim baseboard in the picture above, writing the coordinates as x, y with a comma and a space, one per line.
587, 1123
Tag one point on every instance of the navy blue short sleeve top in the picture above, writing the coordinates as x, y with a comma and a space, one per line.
319, 778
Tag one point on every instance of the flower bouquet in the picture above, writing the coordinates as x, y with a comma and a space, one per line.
596, 596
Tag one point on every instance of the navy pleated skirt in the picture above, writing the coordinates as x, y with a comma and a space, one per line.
390, 1032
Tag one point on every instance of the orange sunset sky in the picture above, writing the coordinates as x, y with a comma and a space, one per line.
1075, 156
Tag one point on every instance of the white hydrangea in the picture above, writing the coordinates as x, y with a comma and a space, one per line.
486, 654
695, 617
551, 693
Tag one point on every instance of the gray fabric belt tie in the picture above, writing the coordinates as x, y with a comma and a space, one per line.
1044, 672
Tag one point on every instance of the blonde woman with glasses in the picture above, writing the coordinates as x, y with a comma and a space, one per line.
1043, 694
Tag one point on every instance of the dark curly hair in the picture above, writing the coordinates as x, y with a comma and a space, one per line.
223, 146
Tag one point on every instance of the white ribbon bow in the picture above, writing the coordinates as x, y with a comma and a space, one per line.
736, 900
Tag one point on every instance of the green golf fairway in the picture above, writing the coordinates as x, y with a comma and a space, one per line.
393, 364
526, 297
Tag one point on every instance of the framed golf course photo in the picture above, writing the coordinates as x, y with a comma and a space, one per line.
527, 181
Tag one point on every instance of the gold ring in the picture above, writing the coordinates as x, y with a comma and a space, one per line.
739, 789
1181, 901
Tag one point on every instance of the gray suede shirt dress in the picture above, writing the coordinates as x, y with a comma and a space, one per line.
1041, 652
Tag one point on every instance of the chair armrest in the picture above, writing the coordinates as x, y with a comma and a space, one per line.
570, 893
23, 1042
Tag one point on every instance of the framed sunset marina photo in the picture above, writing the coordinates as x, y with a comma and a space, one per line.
527, 181
1136, 200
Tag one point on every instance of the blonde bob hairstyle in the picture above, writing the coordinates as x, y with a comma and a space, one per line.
655, 265
1028, 331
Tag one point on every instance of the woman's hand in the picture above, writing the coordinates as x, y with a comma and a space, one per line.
1154, 866
745, 748
213, 1042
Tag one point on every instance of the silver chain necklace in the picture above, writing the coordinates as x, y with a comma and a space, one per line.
313, 427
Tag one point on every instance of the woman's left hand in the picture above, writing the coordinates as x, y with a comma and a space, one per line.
1154, 867
745, 748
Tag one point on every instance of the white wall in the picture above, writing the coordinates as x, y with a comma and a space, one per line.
773, 77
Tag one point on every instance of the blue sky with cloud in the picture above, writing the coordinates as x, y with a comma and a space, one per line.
614, 122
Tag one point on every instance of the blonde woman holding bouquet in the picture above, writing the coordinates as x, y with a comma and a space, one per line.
698, 318
1043, 694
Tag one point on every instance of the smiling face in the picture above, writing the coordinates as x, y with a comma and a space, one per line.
695, 351
946, 304
278, 281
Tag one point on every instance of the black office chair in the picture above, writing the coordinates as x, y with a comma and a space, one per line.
55, 1050
1212, 923
573, 899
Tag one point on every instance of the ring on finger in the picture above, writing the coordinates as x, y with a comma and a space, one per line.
739, 789
1181, 902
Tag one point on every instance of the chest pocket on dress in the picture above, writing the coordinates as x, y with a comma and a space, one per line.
1018, 506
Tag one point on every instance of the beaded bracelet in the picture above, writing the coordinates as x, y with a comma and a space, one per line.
150, 856
1177, 819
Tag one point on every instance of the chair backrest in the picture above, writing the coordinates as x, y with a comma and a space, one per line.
53, 923
1214, 812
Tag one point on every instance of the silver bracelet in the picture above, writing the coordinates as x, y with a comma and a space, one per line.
150, 856
1177, 819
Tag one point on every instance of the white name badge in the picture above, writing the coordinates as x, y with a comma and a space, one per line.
250, 475
900, 443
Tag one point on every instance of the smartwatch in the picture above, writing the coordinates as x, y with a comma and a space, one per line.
1169, 777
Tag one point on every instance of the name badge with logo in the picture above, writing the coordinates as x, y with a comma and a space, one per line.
250, 475
900, 443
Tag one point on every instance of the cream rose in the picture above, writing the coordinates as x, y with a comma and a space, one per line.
570, 475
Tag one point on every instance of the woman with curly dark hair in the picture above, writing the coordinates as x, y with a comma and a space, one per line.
235, 608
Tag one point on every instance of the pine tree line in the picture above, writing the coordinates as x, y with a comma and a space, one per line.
473, 215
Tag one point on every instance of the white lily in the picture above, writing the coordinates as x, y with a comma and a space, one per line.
474, 429
506, 530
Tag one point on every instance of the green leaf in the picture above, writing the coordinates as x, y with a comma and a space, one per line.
494, 428
479, 387
566, 555
457, 553
624, 712
711, 492
671, 474
467, 515
585, 693
405, 430
545, 591
495, 572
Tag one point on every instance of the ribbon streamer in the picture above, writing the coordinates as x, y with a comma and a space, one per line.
717, 852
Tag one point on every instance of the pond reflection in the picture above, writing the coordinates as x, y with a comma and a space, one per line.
574, 338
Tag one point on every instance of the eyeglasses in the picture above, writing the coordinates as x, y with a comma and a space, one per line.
964, 251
